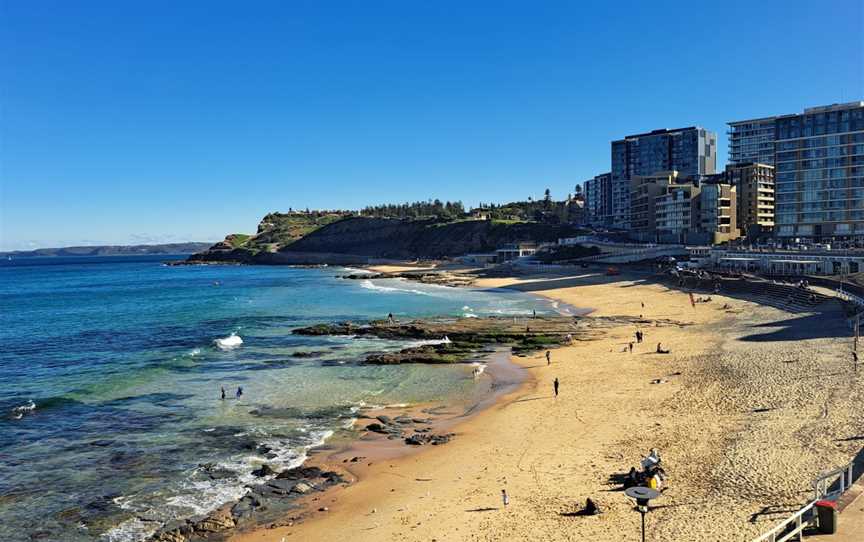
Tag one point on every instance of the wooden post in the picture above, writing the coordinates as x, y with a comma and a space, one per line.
857, 329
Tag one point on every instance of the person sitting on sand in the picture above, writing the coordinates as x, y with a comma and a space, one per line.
660, 350
632, 479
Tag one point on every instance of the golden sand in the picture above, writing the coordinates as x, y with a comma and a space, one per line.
743, 417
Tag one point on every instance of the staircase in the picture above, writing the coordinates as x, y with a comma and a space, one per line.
787, 297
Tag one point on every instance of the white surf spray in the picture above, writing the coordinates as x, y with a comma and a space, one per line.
369, 285
19, 411
229, 342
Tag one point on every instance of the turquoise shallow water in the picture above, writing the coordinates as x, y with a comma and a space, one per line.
112, 380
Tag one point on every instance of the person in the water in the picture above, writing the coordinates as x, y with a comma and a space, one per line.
239, 391
223, 393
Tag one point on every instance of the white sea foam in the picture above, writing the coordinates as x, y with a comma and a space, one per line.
469, 315
195, 496
358, 271
19, 411
369, 285
429, 342
229, 342
28, 407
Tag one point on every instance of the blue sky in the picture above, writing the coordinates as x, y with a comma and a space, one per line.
127, 122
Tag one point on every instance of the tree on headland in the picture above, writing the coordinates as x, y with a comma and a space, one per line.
449, 210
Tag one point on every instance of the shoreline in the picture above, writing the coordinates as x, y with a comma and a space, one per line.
353, 456
693, 404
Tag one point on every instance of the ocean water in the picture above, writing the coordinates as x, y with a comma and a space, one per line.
111, 370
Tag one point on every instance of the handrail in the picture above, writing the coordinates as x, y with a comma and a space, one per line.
822, 486
780, 529
821, 490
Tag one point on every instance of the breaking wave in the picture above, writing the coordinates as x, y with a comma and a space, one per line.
229, 342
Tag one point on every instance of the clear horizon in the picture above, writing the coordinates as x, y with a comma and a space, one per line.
160, 123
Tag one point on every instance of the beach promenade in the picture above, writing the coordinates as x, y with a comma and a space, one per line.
749, 405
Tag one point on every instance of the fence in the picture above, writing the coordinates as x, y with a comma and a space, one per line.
792, 528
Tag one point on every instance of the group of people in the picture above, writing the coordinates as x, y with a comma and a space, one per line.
237, 395
651, 474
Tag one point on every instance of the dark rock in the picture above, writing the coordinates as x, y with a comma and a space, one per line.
301, 473
419, 439
264, 470
214, 472
384, 419
281, 486
376, 428
245, 507
307, 355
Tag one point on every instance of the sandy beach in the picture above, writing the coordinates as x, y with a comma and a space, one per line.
751, 404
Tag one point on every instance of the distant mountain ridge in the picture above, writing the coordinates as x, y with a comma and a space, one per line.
111, 250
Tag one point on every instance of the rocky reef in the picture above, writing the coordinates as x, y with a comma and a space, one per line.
270, 498
459, 339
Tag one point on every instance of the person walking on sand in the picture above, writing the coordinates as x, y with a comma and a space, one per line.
631, 347
223, 393
548, 358
555, 386
505, 497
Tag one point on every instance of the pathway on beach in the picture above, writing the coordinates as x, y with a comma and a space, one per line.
752, 403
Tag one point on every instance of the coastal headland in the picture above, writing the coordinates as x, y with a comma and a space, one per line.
750, 404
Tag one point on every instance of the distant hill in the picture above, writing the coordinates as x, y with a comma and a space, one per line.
111, 250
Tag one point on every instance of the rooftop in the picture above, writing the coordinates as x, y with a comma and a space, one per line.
660, 131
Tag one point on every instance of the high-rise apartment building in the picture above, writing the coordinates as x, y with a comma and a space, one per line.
717, 211
752, 141
754, 184
676, 210
644, 191
819, 172
598, 199
691, 151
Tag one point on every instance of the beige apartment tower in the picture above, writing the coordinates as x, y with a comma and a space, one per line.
754, 183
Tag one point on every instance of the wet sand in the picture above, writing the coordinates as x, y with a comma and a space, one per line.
750, 404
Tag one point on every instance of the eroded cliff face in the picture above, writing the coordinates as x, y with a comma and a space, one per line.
402, 239
355, 239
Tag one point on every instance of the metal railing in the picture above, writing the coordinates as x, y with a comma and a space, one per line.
823, 483
792, 528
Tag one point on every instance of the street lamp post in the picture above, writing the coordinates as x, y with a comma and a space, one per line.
642, 495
